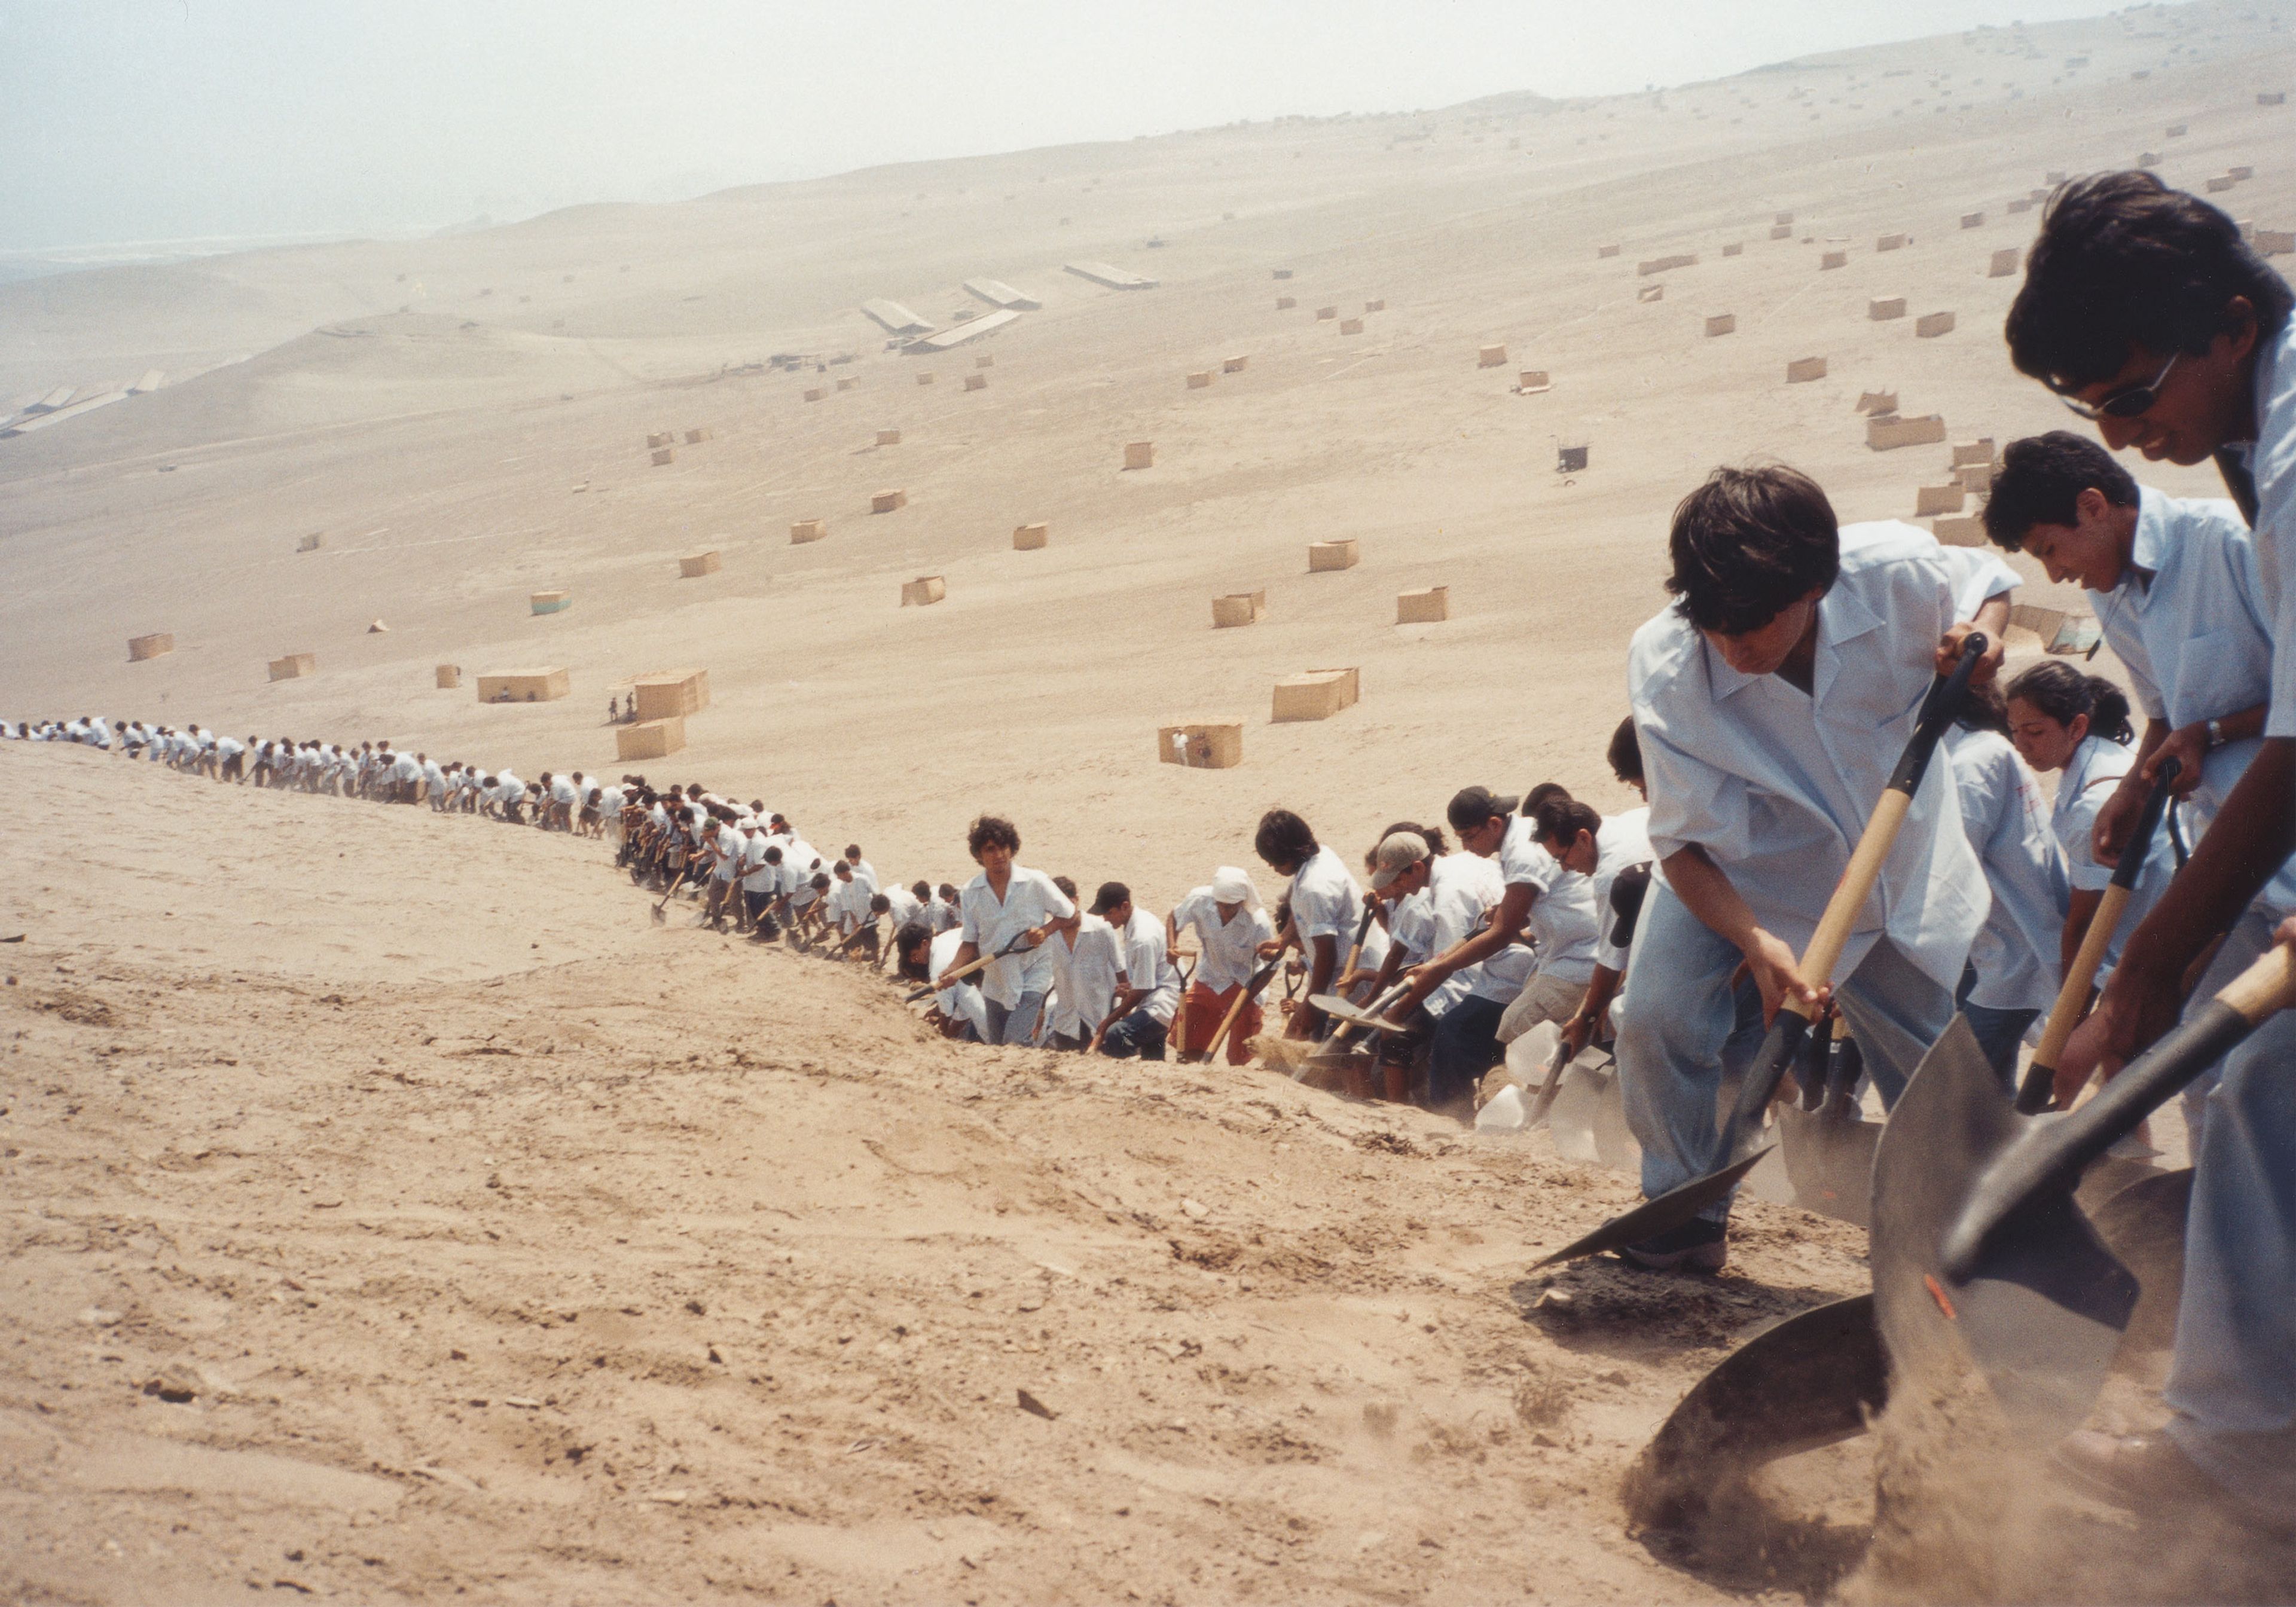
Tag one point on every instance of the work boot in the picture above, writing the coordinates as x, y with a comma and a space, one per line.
1698, 1245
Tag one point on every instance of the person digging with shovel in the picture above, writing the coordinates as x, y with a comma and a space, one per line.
1230, 923
2145, 310
1008, 900
1773, 699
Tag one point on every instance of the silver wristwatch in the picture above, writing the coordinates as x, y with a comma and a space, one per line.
2216, 736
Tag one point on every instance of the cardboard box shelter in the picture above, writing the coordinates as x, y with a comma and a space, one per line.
1491, 357
1140, 454
1782, 230
447, 676
1890, 242
1317, 694
1882, 308
294, 666
1326, 555
1202, 745
664, 455
1200, 378
923, 590
550, 603
1283, 273
976, 381
660, 693
2004, 263
1284, 304
1979, 451
1235, 365
1375, 306
816, 393
1031, 538
1721, 324
650, 739
886, 502
1967, 531
694, 565
522, 685
1238, 608
1324, 314
1651, 292
1531, 382
660, 438
1976, 479
808, 529
1929, 325
1606, 250
1833, 259
158, 644
1885, 432
1973, 220
1938, 499
695, 437
1425, 606
311, 543
1804, 369
1664, 264
1737, 248
889, 438
843, 384
1877, 401
1351, 326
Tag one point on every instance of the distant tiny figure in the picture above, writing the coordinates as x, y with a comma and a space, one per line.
614, 711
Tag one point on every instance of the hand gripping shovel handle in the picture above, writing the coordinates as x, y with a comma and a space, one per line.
965, 970
2049, 1158
2033, 1094
1850, 894
1243, 996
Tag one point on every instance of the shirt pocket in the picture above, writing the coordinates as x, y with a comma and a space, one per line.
2217, 673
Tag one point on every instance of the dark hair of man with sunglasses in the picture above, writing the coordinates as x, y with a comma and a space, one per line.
2143, 309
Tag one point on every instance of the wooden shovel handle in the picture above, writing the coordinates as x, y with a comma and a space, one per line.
2072, 998
1850, 895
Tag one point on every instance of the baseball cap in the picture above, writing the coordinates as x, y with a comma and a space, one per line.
1110, 895
1472, 806
1394, 855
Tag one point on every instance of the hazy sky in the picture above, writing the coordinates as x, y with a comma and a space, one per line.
149, 120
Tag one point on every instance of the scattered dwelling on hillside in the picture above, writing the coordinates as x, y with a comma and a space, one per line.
523, 685
1492, 356
158, 644
1929, 325
816, 393
1140, 454
2220, 183
1202, 744
2240, 173
1782, 230
1938, 499
1115, 278
446, 677
2020, 204
1284, 304
889, 438
1532, 381
1238, 608
1886, 432
659, 439
663, 456
997, 293
1877, 401
1735, 248
1606, 250
1833, 259
695, 436
692, 566
2274, 242
896, 319
549, 602
1966, 531
1325, 314
1429, 605
1351, 326
376, 627
311, 543
1235, 365
1663, 265
1379, 306
1882, 308
1338, 555
2175, 131
1721, 324
808, 529
1802, 369
1782, 220
2272, 97
1973, 220
1199, 379
925, 378
153, 378
1283, 273
650, 739
886, 502
294, 666
1317, 694
987, 359
923, 590
957, 334
1651, 292
1979, 451
668, 694
976, 381
1890, 242
1571, 459
1030, 538
843, 384
2005, 262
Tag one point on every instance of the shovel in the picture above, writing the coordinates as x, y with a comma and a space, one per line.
1250, 990
1743, 1126
966, 970
2038, 1091
1826, 1142
1979, 1244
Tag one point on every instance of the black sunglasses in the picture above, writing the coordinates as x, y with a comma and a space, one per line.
2129, 402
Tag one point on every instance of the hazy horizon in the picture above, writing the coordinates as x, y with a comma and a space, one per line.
170, 123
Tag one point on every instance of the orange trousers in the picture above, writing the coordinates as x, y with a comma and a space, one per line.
1205, 1009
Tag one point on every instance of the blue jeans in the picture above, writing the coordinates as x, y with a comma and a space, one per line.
1139, 1033
1467, 1044
1015, 1023
1683, 1025
1999, 1032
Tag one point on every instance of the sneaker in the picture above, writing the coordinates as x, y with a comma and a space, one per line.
1698, 1245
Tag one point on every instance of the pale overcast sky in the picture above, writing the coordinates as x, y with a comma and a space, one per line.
158, 119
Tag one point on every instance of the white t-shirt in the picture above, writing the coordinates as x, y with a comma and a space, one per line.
905, 905
1562, 917
1326, 902
941, 915
1085, 976
1461, 887
1149, 967
960, 1001
989, 923
1623, 841
2084, 784
1230, 949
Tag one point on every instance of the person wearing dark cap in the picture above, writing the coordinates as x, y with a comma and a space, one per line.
2146, 311
1148, 988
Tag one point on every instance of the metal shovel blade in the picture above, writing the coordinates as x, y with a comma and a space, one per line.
2044, 1322
1346, 1010
1807, 1382
1829, 1158
1653, 1217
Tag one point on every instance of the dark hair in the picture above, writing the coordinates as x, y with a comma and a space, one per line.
948, 889
821, 881
1437, 843
853, 850
1628, 889
1543, 794
2064, 693
773, 855
1626, 751
879, 904
992, 828
1559, 820
2040, 482
1110, 895
923, 891
906, 939
1067, 884
1747, 543
2123, 261
1983, 710
1283, 838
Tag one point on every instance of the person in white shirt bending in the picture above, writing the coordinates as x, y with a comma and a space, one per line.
1148, 988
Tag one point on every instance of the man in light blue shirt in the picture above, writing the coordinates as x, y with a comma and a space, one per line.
1772, 700
2146, 311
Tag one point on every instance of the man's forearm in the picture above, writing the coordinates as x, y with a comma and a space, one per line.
2243, 848
1706, 892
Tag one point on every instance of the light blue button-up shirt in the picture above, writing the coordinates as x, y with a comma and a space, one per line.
2196, 638
2015, 953
1777, 785
2271, 459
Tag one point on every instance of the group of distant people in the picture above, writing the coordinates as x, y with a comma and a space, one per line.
1770, 701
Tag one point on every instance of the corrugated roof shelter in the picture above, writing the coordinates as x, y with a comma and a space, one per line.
972, 329
896, 319
997, 293
1115, 278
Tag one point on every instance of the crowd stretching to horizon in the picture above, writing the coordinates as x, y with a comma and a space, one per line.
1769, 702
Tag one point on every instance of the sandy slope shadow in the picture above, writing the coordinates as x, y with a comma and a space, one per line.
1602, 1306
